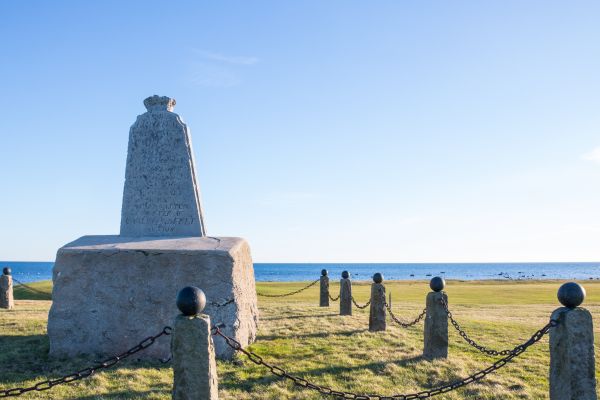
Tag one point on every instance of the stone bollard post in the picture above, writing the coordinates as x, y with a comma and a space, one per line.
377, 311
6, 290
324, 294
436, 322
572, 365
345, 294
194, 365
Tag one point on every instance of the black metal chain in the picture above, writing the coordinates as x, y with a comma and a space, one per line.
359, 306
463, 334
332, 299
31, 288
290, 293
325, 390
87, 372
405, 324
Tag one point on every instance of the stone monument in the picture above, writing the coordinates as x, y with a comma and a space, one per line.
112, 291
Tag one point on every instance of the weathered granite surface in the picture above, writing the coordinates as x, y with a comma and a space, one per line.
194, 366
436, 327
345, 296
6, 292
324, 291
377, 320
111, 291
572, 364
160, 196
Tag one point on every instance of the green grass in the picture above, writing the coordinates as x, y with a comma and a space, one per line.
323, 347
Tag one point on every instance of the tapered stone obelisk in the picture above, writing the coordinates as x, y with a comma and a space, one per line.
161, 196
110, 292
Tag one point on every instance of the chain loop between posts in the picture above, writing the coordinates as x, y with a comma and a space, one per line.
402, 323
290, 293
325, 390
87, 372
359, 306
471, 342
333, 299
32, 289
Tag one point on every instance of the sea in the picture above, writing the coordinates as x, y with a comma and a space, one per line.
288, 272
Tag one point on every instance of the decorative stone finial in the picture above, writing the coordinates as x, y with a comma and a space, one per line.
345, 275
6, 271
377, 278
571, 294
191, 301
324, 272
159, 103
437, 284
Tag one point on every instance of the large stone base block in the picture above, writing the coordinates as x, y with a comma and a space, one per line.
110, 292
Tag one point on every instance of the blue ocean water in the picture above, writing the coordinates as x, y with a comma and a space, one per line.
36, 271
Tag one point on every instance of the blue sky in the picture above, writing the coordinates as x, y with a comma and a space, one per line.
340, 131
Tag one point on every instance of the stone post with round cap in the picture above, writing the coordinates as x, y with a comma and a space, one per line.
7, 300
345, 294
324, 293
377, 320
193, 351
435, 334
572, 364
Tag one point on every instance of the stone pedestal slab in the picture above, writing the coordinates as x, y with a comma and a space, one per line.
110, 292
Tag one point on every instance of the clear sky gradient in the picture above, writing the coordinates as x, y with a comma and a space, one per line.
324, 131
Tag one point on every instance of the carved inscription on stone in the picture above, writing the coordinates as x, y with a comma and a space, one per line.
161, 196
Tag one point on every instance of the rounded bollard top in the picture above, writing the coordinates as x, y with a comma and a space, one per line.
345, 275
571, 294
377, 278
6, 271
191, 300
437, 284
324, 272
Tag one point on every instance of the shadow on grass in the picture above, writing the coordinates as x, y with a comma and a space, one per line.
284, 317
22, 293
124, 395
311, 335
229, 380
25, 358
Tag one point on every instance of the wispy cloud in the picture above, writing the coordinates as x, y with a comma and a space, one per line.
216, 69
593, 156
238, 60
203, 74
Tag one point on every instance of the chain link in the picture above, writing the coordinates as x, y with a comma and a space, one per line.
87, 372
405, 324
325, 390
359, 306
31, 288
332, 299
471, 342
290, 293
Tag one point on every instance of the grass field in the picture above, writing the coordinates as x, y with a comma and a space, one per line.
323, 347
